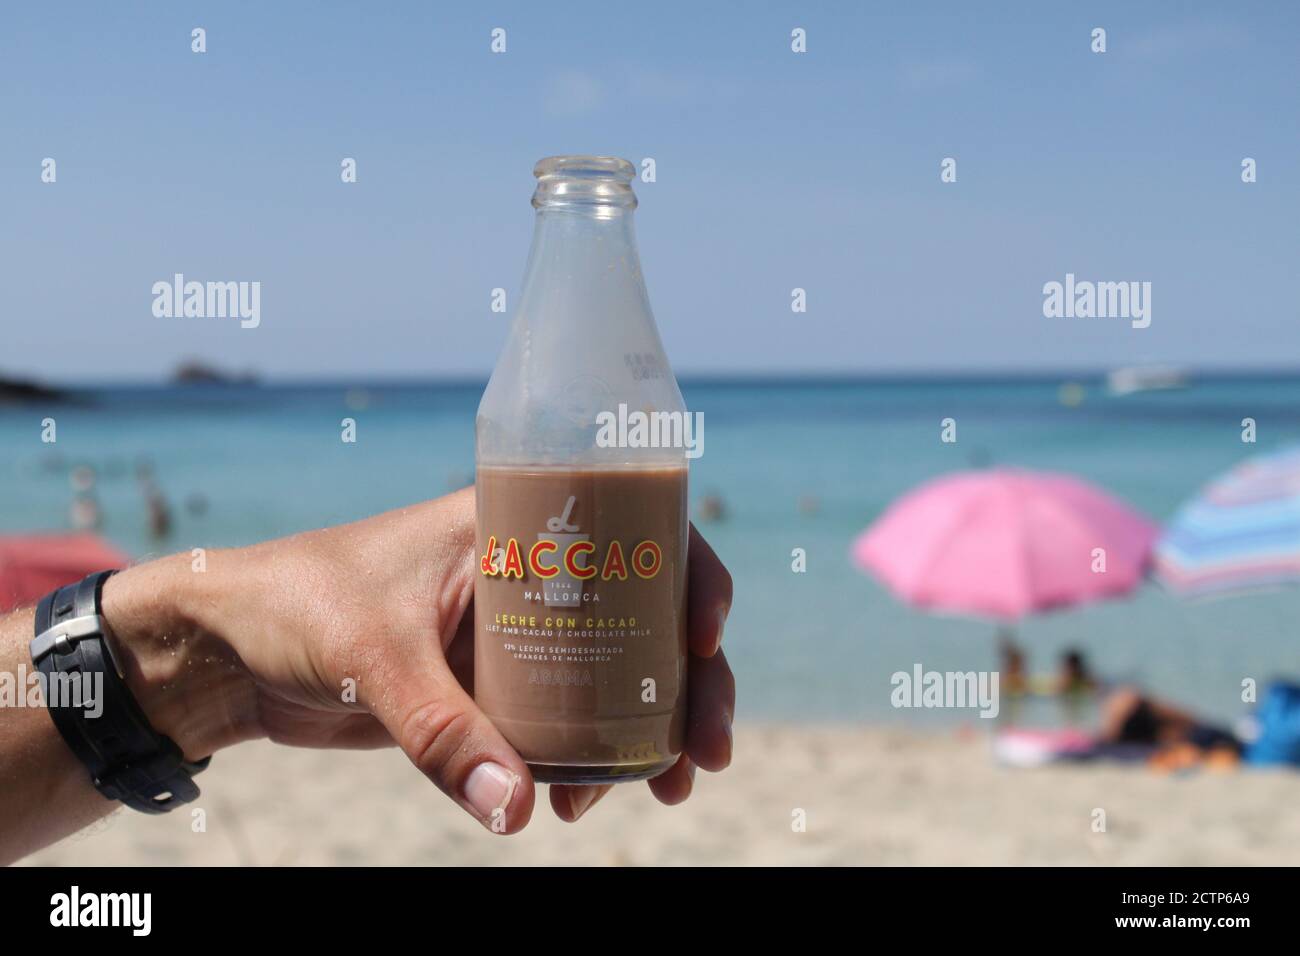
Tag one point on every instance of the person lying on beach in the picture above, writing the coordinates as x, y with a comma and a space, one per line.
265, 641
1181, 740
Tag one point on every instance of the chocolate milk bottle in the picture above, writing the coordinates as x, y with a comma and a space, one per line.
580, 596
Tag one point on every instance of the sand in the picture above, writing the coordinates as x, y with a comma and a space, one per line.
870, 796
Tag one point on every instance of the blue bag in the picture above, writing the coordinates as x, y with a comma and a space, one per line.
1279, 727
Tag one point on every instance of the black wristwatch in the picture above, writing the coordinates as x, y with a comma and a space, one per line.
128, 760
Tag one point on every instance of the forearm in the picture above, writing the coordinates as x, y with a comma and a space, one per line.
188, 681
45, 793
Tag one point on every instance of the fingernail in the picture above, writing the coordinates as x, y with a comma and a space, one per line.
726, 729
580, 799
490, 788
722, 623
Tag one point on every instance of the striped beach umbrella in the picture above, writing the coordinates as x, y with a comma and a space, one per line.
1241, 533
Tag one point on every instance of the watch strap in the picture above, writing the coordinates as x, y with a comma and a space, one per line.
128, 760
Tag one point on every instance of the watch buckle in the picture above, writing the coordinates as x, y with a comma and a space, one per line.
60, 638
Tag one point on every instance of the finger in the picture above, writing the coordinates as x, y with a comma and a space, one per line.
709, 595
674, 784
571, 802
451, 741
711, 704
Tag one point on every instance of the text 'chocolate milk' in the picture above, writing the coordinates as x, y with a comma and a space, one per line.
580, 596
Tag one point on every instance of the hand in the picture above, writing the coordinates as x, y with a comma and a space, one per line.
266, 641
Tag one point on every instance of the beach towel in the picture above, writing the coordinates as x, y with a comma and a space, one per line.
1039, 746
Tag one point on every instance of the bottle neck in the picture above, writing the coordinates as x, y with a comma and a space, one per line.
586, 254
586, 224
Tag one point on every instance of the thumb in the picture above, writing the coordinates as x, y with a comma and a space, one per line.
442, 731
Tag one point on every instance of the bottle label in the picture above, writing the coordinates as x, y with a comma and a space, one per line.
580, 608
563, 560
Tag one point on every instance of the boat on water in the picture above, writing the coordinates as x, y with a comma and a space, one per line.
1146, 378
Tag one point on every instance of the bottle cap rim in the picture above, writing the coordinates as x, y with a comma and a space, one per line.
585, 167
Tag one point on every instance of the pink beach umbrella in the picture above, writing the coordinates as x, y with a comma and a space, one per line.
1006, 542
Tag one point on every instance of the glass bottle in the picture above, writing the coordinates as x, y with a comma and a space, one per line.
580, 599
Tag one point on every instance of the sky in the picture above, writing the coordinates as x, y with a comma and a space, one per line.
775, 170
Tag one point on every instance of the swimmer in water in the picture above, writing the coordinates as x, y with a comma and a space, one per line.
84, 514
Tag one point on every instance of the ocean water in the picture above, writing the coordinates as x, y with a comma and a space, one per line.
268, 461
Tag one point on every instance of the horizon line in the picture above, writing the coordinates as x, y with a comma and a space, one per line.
738, 377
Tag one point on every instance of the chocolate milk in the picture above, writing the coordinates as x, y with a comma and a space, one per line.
580, 618
580, 595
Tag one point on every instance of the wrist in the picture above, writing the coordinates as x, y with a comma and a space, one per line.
186, 676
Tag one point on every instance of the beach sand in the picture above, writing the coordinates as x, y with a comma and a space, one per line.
871, 796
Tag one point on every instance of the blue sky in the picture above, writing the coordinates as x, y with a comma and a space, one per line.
775, 170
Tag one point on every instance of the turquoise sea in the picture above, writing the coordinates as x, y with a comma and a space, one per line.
798, 464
